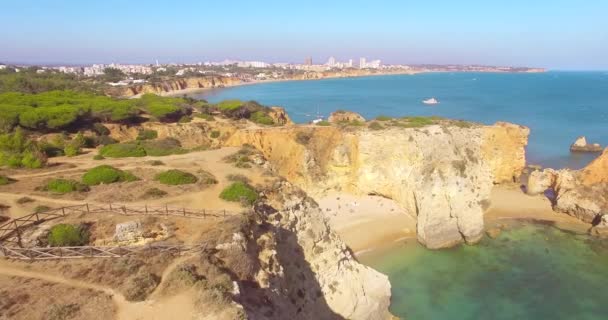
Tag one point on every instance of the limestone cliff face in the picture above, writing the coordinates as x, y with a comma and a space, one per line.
441, 173
175, 85
306, 271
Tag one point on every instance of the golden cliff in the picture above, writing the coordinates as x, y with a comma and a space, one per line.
170, 86
442, 173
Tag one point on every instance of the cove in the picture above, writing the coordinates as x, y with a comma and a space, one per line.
530, 271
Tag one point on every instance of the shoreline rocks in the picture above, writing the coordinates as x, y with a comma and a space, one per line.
581, 145
345, 116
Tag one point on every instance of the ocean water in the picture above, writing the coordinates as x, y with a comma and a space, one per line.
530, 272
557, 106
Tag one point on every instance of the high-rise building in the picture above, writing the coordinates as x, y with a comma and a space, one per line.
331, 61
362, 63
308, 61
350, 63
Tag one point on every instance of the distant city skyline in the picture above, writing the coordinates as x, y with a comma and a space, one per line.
558, 34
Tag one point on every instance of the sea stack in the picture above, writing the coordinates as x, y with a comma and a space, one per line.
581, 145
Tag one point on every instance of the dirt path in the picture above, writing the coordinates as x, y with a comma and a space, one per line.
163, 278
118, 298
181, 306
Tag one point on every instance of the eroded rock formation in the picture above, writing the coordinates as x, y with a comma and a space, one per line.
174, 85
305, 270
581, 145
582, 194
441, 173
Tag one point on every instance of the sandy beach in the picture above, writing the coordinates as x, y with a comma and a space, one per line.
368, 223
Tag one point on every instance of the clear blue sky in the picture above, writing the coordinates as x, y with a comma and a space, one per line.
557, 34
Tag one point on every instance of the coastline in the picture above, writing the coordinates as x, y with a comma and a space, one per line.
190, 91
369, 223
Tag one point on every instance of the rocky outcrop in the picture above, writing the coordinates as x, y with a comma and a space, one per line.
345, 116
279, 116
582, 194
581, 145
441, 173
306, 271
601, 229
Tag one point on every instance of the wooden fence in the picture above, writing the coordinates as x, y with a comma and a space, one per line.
11, 231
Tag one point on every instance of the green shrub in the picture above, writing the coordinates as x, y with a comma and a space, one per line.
98, 157
215, 134
17, 150
106, 174
147, 135
375, 126
155, 193
105, 140
175, 177
323, 123
71, 150
383, 118
156, 163
417, 122
63, 186
262, 118
4, 180
68, 235
303, 138
122, 150
239, 192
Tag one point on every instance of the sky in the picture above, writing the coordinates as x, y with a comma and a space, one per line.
555, 34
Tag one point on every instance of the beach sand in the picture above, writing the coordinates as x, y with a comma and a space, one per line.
368, 223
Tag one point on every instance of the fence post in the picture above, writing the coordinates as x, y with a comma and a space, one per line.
166, 209
146, 208
204, 213
110, 206
224, 213
63, 211
87, 204
184, 211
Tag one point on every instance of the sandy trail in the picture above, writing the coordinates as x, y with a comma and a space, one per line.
180, 306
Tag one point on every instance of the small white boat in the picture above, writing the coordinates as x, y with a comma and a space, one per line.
430, 101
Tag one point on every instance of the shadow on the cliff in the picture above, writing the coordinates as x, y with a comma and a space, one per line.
294, 294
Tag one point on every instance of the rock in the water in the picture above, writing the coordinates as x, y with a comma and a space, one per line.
128, 231
345, 116
581, 145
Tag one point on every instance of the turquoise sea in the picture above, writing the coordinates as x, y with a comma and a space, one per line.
530, 272
557, 106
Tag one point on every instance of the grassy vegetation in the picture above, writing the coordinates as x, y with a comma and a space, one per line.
383, 118
98, 157
175, 177
324, 123
4, 180
24, 200
156, 163
155, 148
68, 235
147, 135
155, 193
261, 117
205, 116
238, 177
375, 126
239, 192
40, 209
215, 134
229, 105
62, 186
106, 174
241, 159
